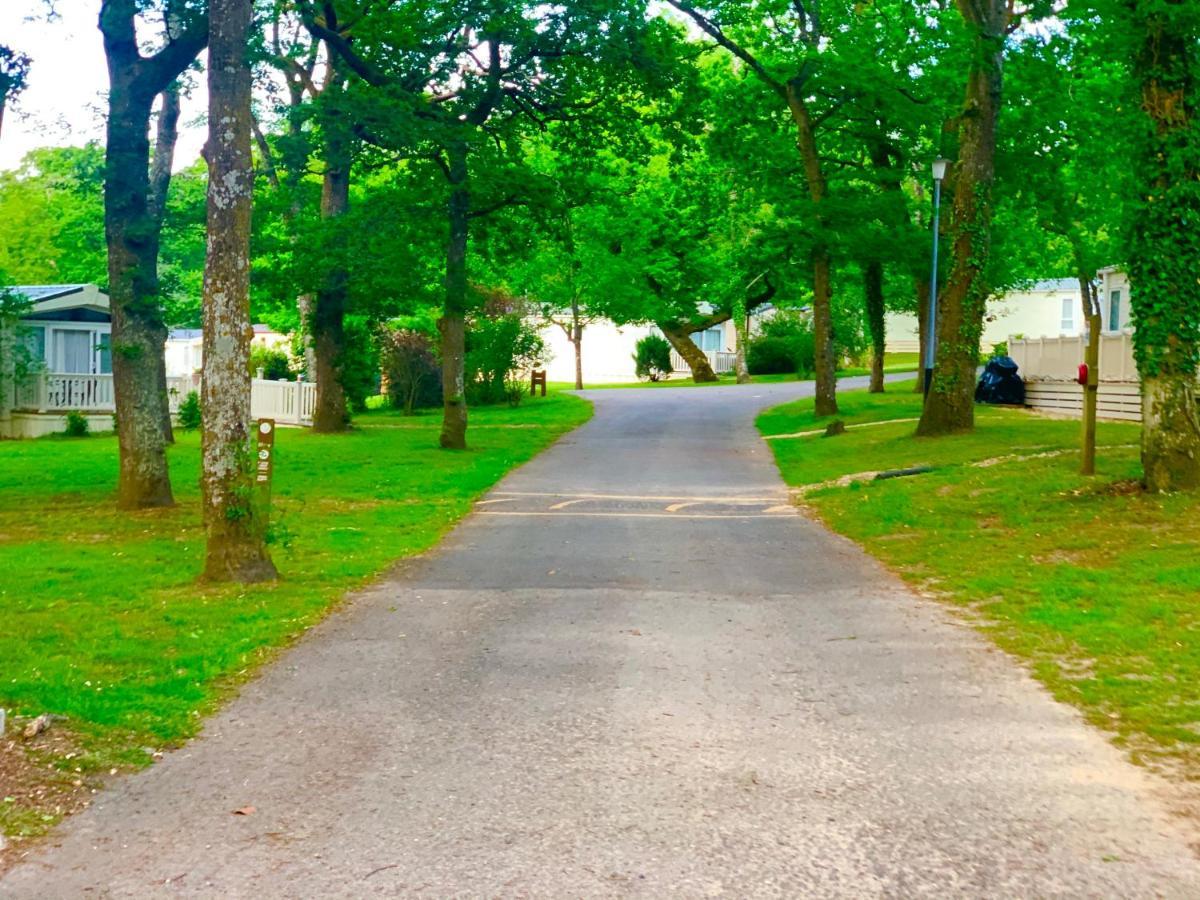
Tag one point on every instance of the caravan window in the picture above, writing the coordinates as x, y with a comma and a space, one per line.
104, 354
1114, 311
1068, 315
75, 352
710, 339
36, 340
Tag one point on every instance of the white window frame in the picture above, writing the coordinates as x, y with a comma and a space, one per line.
1067, 323
54, 355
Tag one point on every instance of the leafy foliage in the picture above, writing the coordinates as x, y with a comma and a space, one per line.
189, 415
410, 365
501, 351
652, 358
275, 364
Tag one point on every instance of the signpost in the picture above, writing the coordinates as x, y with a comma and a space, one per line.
264, 464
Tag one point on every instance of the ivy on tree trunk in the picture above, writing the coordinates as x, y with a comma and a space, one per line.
950, 404
1165, 245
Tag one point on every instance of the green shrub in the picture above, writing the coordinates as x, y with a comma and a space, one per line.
785, 346
414, 378
771, 356
77, 424
276, 365
501, 350
652, 358
189, 412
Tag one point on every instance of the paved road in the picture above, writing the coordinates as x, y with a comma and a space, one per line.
635, 672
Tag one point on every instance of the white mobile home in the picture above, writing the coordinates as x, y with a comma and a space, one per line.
69, 329
1047, 309
608, 351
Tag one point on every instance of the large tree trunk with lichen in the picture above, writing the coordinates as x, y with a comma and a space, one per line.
327, 322
452, 326
234, 519
873, 290
950, 405
696, 359
1164, 289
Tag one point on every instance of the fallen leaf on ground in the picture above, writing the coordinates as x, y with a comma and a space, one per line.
245, 811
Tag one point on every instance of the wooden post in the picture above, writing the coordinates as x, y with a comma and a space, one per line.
537, 378
1091, 358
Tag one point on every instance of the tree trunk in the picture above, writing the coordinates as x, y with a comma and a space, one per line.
329, 310
1164, 289
577, 341
304, 305
131, 227
138, 331
873, 289
235, 520
741, 328
1170, 433
167, 136
452, 325
822, 261
823, 343
922, 289
950, 405
696, 359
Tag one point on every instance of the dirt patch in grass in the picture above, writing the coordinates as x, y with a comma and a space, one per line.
41, 781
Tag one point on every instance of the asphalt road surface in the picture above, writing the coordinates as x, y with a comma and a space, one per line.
635, 671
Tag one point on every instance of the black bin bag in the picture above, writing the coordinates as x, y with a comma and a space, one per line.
1000, 383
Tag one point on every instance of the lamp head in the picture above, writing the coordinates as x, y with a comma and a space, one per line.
939, 168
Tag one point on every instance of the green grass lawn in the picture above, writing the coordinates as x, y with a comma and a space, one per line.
1092, 581
103, 621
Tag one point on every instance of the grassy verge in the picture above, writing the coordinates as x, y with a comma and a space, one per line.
105, 626
1092, 581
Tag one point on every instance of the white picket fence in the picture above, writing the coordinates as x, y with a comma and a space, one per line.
1058, 358
1050, 367
287, 402
720, 360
